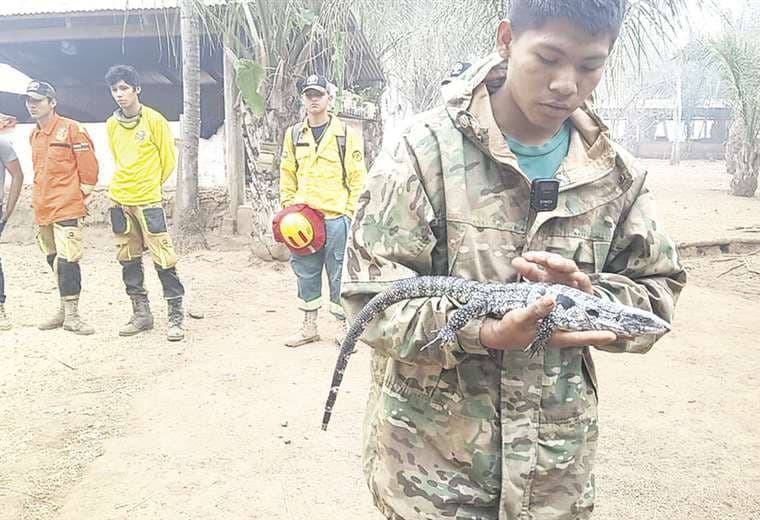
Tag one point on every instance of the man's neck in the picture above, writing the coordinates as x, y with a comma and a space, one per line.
318, 119
132, 110
44, 121
512, 120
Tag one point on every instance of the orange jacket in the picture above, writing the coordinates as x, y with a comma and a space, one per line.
65, 168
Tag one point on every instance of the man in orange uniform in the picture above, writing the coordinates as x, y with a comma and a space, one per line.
65, 173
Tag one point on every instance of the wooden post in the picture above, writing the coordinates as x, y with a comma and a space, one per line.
234, 160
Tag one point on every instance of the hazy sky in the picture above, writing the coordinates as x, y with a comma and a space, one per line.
703, 21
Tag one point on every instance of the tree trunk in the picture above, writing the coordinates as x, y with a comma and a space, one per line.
233, 140
187, 222
263, 163
744, 181
734, 144
260, 134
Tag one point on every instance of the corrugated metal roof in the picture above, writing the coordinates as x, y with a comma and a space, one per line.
41, 7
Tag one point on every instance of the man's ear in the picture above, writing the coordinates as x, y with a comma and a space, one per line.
53, 102
504, 38
138, 90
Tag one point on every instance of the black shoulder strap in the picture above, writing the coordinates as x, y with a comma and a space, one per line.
296, 131
341, 140
295, 136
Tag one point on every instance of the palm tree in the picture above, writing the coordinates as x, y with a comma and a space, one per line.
189, 230
736, 53
277, 42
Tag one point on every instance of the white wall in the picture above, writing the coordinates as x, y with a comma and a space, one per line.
210, 155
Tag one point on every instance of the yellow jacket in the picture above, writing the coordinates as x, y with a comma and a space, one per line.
311, 174
145, 157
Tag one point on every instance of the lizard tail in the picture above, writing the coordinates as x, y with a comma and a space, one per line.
420, 287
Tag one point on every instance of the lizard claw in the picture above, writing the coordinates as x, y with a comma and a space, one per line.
534, 348
435, 343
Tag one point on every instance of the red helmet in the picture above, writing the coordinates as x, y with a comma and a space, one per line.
301, 228
296, 230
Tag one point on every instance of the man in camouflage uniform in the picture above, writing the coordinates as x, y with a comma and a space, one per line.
455, 432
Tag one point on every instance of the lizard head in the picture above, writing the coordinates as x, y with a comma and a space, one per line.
579, 311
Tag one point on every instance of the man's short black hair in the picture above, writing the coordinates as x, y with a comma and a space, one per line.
596, 16
123, 72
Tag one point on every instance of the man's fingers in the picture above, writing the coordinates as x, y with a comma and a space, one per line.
551, 261
529, 316
596, 338
582, 282
528, 270
537, 266
542, 307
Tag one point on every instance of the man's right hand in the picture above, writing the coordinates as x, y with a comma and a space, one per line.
517, 329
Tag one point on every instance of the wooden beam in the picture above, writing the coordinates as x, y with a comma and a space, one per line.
234, 159
92, 32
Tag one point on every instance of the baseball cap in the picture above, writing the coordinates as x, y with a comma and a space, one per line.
40, 90
458, 68
314, 82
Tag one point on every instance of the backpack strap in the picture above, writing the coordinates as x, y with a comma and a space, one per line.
295, 136
341, 140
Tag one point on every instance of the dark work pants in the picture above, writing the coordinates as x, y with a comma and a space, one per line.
2, 284
134, 279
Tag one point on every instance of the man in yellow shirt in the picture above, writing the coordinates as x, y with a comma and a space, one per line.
143, 149
322, 166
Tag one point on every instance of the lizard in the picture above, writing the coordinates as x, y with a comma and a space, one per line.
575, 310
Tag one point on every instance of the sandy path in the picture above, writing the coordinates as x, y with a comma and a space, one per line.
226, 425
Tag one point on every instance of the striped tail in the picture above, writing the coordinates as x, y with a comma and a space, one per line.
408, 288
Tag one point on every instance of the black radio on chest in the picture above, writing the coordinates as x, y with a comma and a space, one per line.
544, 194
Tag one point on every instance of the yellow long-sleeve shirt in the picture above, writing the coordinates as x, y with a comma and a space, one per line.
145, 157
311, 174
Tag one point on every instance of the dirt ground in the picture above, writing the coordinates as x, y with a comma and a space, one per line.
226, 424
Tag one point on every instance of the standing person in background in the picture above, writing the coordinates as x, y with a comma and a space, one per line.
65, 173
8, 162
143, 150
323, 168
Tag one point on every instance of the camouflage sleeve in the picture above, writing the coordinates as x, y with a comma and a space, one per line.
391, 239
642, 269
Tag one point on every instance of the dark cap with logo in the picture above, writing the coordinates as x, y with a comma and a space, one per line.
40, 90
458, 68
314, 82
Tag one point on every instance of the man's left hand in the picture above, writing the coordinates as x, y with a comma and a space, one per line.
86, 198
540, 266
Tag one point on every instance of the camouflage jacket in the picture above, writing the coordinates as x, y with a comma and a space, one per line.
456, 433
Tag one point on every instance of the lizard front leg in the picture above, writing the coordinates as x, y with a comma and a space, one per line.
544, 331
475, 308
